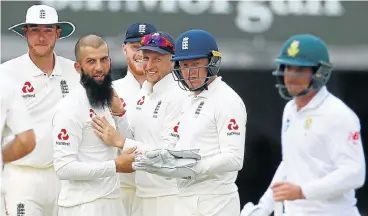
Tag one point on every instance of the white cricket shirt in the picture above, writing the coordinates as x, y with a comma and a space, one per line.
322, 152
13, 112
83, 163
128, 89
152, 122
214, 122
40, 93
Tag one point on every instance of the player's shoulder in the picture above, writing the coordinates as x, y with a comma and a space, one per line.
15, 61
65, 61
7, 88
71, 104
226, 95
13, 66
338, 110
122, 85
67, 65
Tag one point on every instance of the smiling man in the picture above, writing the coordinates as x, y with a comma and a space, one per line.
156, 113
128, 89
42, 79
86, 166
212, 129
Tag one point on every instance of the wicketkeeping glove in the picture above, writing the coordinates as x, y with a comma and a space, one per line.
169, 163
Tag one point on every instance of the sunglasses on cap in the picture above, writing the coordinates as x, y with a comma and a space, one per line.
159, 41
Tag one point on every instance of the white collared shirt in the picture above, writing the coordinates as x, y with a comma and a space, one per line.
214, 121
41, 93
13, 112
157, 112
83, 162
322, 152
128, 89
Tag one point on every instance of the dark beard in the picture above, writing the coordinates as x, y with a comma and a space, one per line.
99, 94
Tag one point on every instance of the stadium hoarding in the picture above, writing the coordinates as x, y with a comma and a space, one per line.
250, 33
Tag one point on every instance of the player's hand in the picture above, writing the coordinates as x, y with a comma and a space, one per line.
125, 160
117, 106
107, 133
286, 191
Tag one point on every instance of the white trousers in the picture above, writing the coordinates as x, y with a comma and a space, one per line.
208, 205
29, 191
100, 207
156, 206
130, 200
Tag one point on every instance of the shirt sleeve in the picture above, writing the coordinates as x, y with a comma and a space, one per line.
267, 200
18, 119
346, 152
67, 137
231, 118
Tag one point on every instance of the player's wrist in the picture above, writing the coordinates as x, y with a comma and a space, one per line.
301, 194
120, 142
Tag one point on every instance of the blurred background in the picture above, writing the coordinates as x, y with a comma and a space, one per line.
250, 35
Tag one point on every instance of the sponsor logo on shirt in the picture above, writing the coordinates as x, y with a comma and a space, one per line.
175, 131
63, 138
122, 102
92, 113
233, 128
155, 112
354, 137
27, 90
140, 102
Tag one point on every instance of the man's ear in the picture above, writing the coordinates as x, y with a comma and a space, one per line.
124, 48
77, 67
58, 32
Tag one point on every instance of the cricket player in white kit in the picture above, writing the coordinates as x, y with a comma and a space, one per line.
128, 89
15, 117
322, 154
210, 151
42, 79
86, 166
157, 111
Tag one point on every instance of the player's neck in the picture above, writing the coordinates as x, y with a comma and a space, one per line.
44, 63
140, 78
209, 83
304, 100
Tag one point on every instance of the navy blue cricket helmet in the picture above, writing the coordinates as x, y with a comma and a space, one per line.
303, 50
196, 44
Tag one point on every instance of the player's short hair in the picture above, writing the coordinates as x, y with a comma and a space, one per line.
91, 40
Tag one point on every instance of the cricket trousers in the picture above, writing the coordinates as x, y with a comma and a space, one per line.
29, 191
208, 205
130, 200
156, 206
99, 207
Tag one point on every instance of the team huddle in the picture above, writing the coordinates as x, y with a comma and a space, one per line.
168, 138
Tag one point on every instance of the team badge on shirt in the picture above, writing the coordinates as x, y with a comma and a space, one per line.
308, 122
199, 109
155, 112
64, 88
